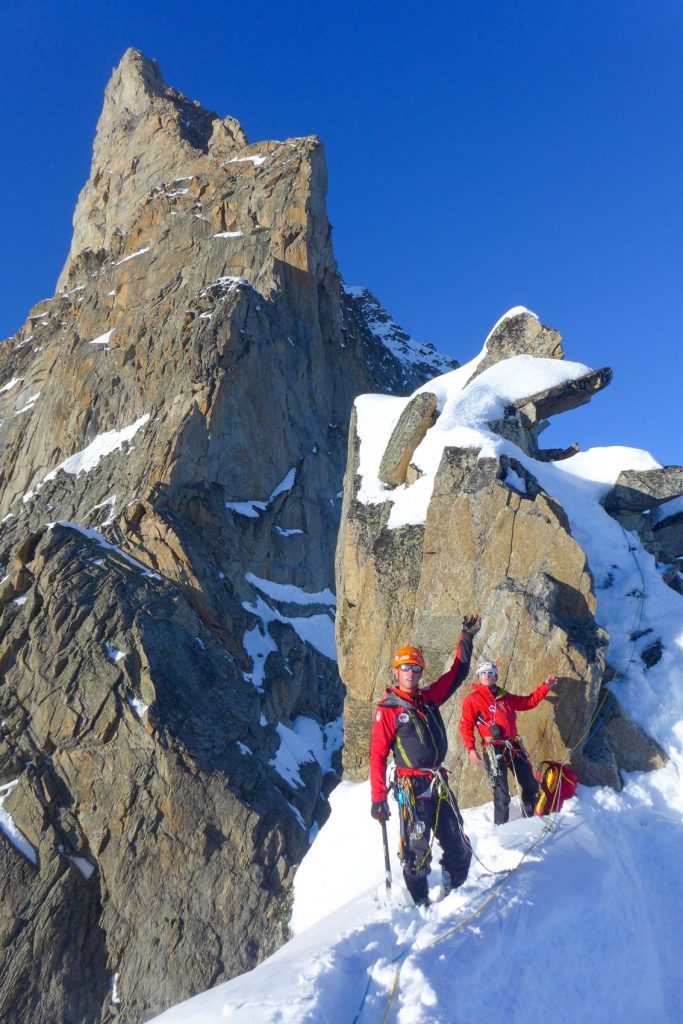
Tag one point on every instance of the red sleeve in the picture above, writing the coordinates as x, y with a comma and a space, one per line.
439, 691
525, 703
467, 720
381, 742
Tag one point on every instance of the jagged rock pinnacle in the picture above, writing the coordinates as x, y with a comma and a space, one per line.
148, 134
135, 81
207, 329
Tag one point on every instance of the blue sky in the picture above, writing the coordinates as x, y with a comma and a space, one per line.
481, 155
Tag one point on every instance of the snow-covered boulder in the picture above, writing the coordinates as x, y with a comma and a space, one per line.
482, 524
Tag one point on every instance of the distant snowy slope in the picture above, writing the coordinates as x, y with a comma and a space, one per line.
415, 360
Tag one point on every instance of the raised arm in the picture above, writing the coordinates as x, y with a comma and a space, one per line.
519, 702
446, 685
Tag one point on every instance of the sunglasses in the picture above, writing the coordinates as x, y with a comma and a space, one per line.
409, 668
488, 672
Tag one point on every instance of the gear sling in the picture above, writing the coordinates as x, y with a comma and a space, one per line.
427, 810
499, 757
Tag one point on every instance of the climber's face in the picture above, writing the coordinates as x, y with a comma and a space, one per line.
407, 677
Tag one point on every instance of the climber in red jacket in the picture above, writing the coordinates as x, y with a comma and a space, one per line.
408, 725
494, 712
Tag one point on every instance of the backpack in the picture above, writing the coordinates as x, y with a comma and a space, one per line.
557, 783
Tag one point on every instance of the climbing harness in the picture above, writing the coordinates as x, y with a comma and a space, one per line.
498, 755
500, 752
412, 827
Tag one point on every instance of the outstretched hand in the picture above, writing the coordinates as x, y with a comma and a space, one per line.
471, 624
551, 682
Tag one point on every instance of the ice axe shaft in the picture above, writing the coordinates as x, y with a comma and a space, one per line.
387, 862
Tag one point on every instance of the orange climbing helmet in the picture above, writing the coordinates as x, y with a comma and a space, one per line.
409, 656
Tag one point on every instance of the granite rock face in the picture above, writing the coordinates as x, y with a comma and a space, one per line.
641, 490
520, 331
414, 422
145, 132
650, 502
173, 427
494, 541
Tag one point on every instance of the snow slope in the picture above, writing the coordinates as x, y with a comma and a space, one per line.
577, 917
583, 924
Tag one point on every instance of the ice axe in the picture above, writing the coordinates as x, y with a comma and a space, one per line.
387, 862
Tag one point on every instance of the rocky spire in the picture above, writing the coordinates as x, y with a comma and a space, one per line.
147, 134
177, 413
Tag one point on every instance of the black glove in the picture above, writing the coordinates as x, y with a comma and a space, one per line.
471, 624
380, 810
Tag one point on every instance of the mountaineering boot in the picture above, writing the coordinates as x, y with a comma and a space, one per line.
419, 890
446, 882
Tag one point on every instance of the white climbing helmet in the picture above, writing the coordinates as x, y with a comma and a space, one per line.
487, 668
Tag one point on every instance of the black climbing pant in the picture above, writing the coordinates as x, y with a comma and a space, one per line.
431, 807
504, 758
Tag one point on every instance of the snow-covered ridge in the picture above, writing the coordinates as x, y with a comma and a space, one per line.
401, 345
353, 957
465, 410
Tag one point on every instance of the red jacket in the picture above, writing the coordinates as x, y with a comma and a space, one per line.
485, 708
411, 727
